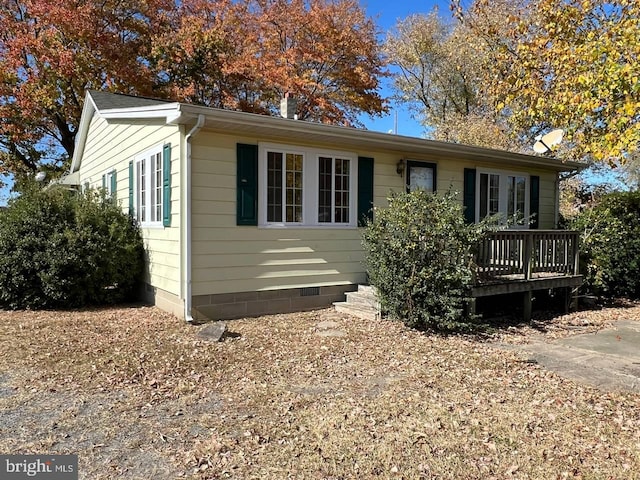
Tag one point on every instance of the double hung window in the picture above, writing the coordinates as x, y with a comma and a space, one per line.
148, 187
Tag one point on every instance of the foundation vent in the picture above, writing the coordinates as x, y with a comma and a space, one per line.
309, 291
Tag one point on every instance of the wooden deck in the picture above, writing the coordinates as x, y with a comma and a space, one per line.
513, 261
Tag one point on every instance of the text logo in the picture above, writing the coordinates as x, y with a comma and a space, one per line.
44, 467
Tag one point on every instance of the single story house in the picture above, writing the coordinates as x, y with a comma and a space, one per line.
246, 214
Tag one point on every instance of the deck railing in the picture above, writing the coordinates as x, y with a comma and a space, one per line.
525, 254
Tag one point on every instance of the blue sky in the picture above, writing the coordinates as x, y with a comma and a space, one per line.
386, 13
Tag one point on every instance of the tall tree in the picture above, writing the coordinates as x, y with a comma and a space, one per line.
441, 75
323, 52
51, 51
248, 54
235, 54
571, 64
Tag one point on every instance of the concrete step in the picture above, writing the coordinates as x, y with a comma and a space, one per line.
365, 312
363, 298
367, 289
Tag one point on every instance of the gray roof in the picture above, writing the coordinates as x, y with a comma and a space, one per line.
108, 101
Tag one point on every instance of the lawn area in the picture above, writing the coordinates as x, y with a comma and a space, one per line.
137, 393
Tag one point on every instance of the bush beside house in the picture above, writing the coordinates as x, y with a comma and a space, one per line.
418, 255
60, 249
610, 245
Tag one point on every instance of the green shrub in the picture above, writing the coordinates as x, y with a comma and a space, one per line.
610, 245
62, 249
418, 256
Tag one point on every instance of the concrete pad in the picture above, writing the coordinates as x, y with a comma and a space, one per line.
623, 340
608, 359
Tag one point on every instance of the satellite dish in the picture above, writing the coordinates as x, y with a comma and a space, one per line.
545, 142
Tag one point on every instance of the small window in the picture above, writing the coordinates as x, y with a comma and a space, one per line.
421, 175
109, 183
284, 187
334, 190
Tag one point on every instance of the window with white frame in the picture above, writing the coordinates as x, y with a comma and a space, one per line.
148, 187
306, 186
109, 183
503, 193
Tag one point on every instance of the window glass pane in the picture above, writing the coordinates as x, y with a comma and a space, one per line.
274, 187
420, 178
489, 194
325, 171
156, 188
494, 193
520, 194
516, 198
511, 207
141, 207
294, 187
342, 191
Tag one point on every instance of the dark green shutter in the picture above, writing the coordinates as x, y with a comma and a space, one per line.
469, 195
166, 185
365, 190
114, 185
104, 181
131, 189
247, 185
534, 201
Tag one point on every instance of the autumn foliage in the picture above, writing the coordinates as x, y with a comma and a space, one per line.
242, 55
52, 51
565, 64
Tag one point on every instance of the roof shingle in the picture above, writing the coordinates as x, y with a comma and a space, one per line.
108, 101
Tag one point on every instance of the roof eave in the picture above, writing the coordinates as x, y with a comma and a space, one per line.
88, 109
168, 111
241, 121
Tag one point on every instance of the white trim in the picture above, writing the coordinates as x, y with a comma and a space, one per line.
88, 109
310, 185
167, 111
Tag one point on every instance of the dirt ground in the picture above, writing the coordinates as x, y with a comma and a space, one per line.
137, 394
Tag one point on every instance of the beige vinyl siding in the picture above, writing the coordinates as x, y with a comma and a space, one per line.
112, 145
547, 200
229, 258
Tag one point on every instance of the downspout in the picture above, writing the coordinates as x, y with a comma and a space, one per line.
187, 222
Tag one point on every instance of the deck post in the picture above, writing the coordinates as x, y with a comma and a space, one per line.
528, 253
471, 307
576, 254
527, 305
